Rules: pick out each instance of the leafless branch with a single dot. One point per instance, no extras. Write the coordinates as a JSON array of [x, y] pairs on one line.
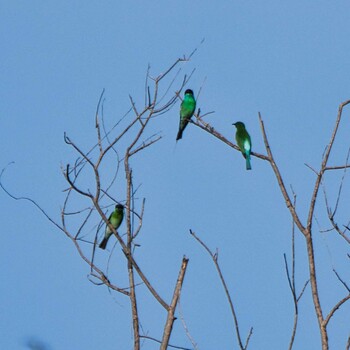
[[27, 199], [97, 122], [89, 164], [144, 145], [280, 180], [137, 231], [171, 311], [158, 341], [291, 280], [341, 281], [214, 257], [302, 290], [72, 183], [341, 183], [331, 213], [335, 308], [324, 165], [184, 325]]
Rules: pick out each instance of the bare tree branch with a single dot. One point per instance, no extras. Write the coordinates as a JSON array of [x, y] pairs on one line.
[[184, 325], [214, 257], [280, 180], [27, 199], [171, 311], [335, 308], [323, 165], [291, 281], [158, 341], [341, 281]]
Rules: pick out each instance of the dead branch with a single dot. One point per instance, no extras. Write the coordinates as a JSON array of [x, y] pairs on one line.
[[214, 257], [158, 341], [171, 311]]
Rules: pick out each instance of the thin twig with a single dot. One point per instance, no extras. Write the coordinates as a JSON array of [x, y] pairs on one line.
[[335, 308], [158, 341], [184, 325], [97, 123], [341, 281], [27, 199], [214, 257]]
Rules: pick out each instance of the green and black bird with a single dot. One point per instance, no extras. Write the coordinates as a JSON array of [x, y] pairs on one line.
[[244, 142], [115, 219], [187, 108]]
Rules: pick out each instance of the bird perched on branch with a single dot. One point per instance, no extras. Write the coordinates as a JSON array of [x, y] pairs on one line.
[[244, 142], [187, 108], [115, 219]]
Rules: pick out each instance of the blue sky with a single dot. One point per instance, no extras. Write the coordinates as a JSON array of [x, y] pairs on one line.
[[288, 60]]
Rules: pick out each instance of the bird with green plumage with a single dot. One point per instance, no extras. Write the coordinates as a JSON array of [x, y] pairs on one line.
[[244, 142], [116, 218], [187, 108]]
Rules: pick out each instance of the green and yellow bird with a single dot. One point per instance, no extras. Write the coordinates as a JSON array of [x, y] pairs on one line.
[[115, 219], [187, 108], [244, 142]]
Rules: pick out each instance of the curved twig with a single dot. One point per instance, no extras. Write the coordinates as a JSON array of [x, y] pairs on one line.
[[214, 257]]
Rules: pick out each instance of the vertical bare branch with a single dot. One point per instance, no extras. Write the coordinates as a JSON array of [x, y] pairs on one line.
[[307, 231], [133, 301], [280, 180], [97, 122], [324, 165], [291, 282], [171, 312], [194, 344]]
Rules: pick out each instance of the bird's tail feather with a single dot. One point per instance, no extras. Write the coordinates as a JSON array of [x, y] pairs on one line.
[[247, 161], [179, 135], [103, 244]]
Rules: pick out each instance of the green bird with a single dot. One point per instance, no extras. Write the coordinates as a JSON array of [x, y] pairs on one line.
[[115, 219], [244, 142], [187, 108]]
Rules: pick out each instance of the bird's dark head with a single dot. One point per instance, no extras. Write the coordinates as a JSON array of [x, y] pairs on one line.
[[119, 207], [239, 125], [189, 91]]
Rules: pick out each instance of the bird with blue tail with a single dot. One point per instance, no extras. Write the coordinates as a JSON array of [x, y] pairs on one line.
[[187, 108], [244, 142]]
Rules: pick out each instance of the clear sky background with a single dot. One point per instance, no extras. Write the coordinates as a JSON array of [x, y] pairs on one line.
[[288, 60]]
